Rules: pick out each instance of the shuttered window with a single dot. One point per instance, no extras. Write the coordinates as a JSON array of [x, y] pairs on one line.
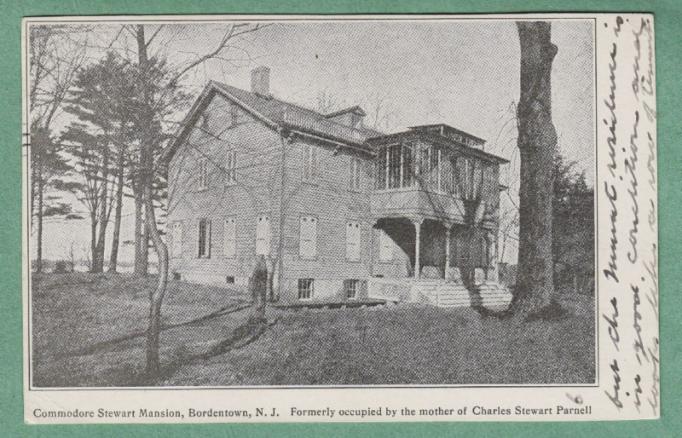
[[308, 237], [204, 238], [230, 237], [353, 241], [263, 235], [355, 170], [310, 162], [385, 246], [231, 167], [177, 239], [203, 173]]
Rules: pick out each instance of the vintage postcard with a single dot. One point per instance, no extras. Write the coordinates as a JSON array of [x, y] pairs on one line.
[[340, 218]]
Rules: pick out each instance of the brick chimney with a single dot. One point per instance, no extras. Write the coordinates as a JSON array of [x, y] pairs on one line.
[[260, 80]]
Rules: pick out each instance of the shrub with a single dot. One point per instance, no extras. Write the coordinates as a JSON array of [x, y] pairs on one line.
[[63, 267]]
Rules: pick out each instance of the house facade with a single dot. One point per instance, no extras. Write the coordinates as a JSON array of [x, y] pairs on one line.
[[341, 213]]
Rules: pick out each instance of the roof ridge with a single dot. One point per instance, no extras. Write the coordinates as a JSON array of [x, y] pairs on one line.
[[321, 117]]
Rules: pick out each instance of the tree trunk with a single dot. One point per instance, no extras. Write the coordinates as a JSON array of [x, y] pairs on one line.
[[93, 241], [39, 218], [141, 236], [98, 263], [156, 298], [147, 178], [113, 259], [537, 143]]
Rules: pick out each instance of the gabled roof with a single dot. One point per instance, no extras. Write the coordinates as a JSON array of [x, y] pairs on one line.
[[276, 113]]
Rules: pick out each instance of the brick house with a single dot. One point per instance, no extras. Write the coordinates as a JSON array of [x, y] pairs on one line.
[[342, 213]]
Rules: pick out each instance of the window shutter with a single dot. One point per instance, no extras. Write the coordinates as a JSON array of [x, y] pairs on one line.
[[352, 174], [263, 236], [231, 167], [385, 246], [177, 239], [314, 171], [353, 241], [355, 169], [208, 238], [203, 173], [308, 237], [230, 238], [309, 162], [358, 169]]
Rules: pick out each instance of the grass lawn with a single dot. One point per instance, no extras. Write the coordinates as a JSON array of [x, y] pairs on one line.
[[88, 331]]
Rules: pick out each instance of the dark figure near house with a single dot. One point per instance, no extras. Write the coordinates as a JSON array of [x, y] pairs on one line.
[[258, 288]]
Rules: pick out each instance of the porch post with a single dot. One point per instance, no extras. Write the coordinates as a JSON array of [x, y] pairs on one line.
[[447, 250], [491, 256], [417, 246]]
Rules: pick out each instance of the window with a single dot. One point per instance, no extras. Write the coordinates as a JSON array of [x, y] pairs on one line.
[[407, 175], [380, 171], [353, 241], [177, 239], [489, 182], [351, 288], [477, 179], [355, 171], [466, 176], [306, 288], [204, 238], [263, 235], [203, 173], [452, 176], [308, 237], [229, 237], [385, 247], [231, 167], [434, 162], [310, 163], [393, 158]]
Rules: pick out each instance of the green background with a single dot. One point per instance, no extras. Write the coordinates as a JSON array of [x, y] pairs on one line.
[[668, 25]]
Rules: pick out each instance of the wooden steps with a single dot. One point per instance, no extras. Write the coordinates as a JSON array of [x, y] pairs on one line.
[[493, 296], [439, 293], [442, 294]]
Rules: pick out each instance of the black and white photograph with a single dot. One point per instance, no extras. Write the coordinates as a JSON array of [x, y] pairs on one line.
[[311, 202]]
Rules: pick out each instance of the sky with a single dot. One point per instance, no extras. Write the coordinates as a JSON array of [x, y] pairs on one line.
[[463, 73]]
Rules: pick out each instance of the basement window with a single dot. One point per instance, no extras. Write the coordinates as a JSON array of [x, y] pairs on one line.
[[306, 288], [351, 288]]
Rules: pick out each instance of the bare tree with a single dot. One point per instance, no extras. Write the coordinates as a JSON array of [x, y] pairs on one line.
[[381, 112], [55, 55], [327, 102], [537, 142], [160, 95], [92, 188]]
